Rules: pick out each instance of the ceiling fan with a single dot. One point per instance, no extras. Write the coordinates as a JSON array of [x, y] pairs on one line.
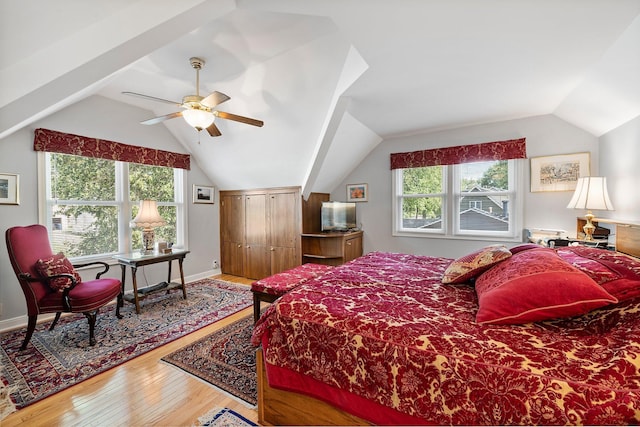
[[198, 111]]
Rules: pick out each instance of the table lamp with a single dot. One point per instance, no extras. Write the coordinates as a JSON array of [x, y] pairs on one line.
[[591, 193], [148, 218]]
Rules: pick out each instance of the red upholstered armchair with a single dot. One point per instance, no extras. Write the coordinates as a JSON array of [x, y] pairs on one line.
[[28, 247]]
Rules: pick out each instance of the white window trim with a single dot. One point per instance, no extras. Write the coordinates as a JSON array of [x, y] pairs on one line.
[[124, 205], [451, 208]]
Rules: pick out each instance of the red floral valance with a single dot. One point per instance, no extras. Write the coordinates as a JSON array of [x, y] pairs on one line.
[[67, 143], [498, 150]]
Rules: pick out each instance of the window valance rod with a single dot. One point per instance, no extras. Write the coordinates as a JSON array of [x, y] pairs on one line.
[[497, 150], [66, 143]]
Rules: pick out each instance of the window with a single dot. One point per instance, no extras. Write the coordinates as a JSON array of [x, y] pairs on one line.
[[88, 203], [469, 200]]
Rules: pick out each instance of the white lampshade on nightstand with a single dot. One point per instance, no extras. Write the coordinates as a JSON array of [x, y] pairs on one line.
[[148, 218], [591, 193]]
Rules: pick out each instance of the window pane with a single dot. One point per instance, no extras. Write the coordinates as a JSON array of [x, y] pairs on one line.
[[82, 178], [484, 203], [492, 216], [166, 233], [484, 176], [427, 180], [87, 207], [151, 183], [422, 212], [80, 230]]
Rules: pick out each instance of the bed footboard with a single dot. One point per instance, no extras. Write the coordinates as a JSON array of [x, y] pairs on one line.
[[280, 407]]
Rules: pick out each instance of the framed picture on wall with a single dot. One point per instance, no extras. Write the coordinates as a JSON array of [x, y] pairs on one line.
[[203, 194], [559, 173], [9, 189], [357, 193]]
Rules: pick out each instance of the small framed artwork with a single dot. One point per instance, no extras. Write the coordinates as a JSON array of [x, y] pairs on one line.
[[558, 173], [357, 193], [9, 189], [203, 194]]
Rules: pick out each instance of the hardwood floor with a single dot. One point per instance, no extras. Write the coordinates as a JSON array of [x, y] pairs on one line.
[[141, 392]]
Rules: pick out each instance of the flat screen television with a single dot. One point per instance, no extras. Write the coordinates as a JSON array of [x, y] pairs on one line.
[[338, 216]]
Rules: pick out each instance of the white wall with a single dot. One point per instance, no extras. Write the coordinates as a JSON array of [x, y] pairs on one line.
[[620, 163], [99, 117], [546, 135]]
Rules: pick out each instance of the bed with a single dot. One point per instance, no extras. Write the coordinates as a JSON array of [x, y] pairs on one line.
[[524, 335]]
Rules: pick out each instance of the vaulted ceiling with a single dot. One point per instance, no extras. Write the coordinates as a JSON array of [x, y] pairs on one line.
[[330, 78]]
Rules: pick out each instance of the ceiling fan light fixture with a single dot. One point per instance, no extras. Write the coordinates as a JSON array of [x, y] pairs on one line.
[[199, 119], [199, 111]]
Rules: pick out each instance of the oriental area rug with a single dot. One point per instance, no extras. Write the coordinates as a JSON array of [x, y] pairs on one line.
[[225, 359], [55, 360], [224, 418]]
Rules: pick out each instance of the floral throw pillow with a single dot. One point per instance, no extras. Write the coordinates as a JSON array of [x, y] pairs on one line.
[[472, 265], [536, 285], [54, 265]]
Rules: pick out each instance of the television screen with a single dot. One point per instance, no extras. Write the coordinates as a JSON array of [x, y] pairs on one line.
[[338, 216]]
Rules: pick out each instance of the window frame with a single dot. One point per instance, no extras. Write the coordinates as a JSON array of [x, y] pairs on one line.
[[451, 207], [122, 203]]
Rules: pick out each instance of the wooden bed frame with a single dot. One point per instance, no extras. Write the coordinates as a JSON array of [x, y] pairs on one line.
[[279, 407]]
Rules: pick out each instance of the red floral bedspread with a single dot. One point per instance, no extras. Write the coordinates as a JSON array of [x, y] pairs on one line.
[[384, 339]]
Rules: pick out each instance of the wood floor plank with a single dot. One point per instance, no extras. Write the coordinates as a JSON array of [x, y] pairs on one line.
[[141, 392]]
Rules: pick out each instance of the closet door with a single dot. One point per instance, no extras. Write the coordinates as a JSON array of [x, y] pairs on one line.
[[256, 237], [284, 230], [232, 234]]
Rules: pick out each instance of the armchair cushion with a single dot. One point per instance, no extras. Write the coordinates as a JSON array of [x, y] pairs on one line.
[[54, 265]]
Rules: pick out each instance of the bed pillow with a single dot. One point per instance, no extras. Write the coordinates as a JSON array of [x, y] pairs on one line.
[[617, 273], [524, 247], [54, 265], [536, 285], [472, 265]]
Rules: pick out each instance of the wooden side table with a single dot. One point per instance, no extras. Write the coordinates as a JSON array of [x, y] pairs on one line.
[[137, 259]]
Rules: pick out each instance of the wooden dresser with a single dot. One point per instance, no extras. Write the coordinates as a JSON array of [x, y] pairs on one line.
[[331, 248]]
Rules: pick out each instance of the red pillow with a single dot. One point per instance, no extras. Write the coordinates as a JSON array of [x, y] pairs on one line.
[[54, 265], [617, 273], [536, 285], [524, 247], [472, 265]]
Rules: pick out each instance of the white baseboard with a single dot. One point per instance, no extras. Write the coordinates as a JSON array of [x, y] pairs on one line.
[[21, 321]]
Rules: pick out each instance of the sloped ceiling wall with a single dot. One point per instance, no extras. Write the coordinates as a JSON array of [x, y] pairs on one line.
[[330, 78]]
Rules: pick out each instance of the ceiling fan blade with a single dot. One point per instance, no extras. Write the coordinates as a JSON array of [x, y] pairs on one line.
[[159, 119], [237, 118], [216, 98], [151, 98], [213, 130]]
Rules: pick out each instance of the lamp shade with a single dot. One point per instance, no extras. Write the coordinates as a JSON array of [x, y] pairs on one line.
[[199, 119], [148, 215], [591, 193]]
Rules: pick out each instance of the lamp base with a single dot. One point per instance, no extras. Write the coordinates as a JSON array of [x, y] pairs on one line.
[[589, 228], [148, 238]]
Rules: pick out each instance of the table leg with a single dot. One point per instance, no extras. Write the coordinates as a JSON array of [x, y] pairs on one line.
[[169, 274], [135, 288], [124, 274], [184, 288]]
